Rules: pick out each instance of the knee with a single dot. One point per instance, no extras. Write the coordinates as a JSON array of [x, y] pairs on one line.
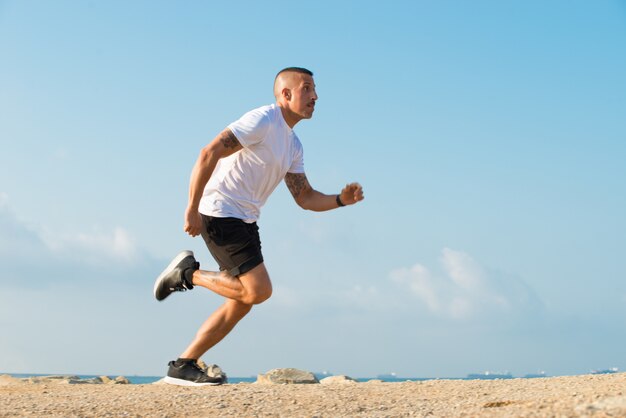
[[257, 296], [257, 285]]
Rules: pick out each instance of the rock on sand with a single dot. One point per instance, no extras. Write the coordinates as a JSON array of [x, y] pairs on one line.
[[286, 376]]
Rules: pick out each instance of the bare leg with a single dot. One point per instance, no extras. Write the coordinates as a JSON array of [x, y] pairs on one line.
[[241, 292], [250, 288], [216, 327]]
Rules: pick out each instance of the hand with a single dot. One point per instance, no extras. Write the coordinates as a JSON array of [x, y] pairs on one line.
[[351, 194], [193, 222]]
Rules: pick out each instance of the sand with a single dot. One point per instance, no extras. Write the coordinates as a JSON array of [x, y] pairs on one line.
[[587, 395]]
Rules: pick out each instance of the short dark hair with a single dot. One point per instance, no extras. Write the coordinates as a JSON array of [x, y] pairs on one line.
[[295, 70]]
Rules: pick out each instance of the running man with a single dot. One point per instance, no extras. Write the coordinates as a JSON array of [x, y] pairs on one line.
[[232, 178]]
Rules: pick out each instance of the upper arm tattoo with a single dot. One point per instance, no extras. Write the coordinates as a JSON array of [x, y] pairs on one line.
[[229, 140], [296, 183]]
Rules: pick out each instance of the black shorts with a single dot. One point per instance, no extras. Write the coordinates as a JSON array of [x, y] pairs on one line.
[[233, 243]]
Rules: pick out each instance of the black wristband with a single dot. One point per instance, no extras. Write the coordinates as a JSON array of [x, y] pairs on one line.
[[339, 202]]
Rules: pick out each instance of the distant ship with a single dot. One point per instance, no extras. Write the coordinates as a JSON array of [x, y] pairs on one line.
[[606, 371], [490, 375], [388, 376]]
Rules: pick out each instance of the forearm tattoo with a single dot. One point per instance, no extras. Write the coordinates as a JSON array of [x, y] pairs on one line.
[[229, 140], [296, 183]]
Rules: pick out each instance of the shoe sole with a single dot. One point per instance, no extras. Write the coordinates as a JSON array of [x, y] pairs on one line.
[[180, 257], [180, 382]]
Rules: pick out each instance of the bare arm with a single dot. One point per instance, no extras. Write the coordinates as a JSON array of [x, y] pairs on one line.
[[222, 146], [311, 199]]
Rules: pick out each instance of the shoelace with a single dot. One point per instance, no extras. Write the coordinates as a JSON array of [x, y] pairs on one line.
[[179, 288], [197, 367]]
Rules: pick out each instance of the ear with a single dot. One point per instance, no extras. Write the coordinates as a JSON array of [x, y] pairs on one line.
[[287, 94]]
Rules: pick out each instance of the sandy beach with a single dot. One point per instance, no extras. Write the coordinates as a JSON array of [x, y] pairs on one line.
[[572, 396]]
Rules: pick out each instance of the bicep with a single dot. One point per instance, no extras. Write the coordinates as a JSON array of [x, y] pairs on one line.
[[298, 185], [224, 144]]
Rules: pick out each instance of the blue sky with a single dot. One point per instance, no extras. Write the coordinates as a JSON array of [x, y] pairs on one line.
[[489, 138]]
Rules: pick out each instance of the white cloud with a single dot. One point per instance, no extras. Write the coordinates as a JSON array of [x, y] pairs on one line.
[[419, 281], [96, 246], [466, 289], [19, 240]]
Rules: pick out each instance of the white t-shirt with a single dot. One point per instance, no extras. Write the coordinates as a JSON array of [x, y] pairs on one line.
[[242, 182]]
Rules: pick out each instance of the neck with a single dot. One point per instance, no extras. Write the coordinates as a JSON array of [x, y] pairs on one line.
[[290, 118]]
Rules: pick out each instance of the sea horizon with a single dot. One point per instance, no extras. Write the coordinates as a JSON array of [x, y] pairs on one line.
[[139, 379], [142, 380], [391, 377]]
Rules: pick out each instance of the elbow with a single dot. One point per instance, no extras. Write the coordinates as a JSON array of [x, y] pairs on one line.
[[303, 204], [305, 199]]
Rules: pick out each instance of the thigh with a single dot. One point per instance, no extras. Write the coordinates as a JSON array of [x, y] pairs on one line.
[[257, 279]]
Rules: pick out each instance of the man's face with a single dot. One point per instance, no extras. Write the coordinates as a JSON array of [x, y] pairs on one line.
[[303, 96]]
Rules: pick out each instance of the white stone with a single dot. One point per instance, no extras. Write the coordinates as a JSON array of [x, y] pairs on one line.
[[287, 376]]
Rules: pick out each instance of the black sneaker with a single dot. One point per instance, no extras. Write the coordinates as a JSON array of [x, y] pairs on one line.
[[188, 373], [173, 277]]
